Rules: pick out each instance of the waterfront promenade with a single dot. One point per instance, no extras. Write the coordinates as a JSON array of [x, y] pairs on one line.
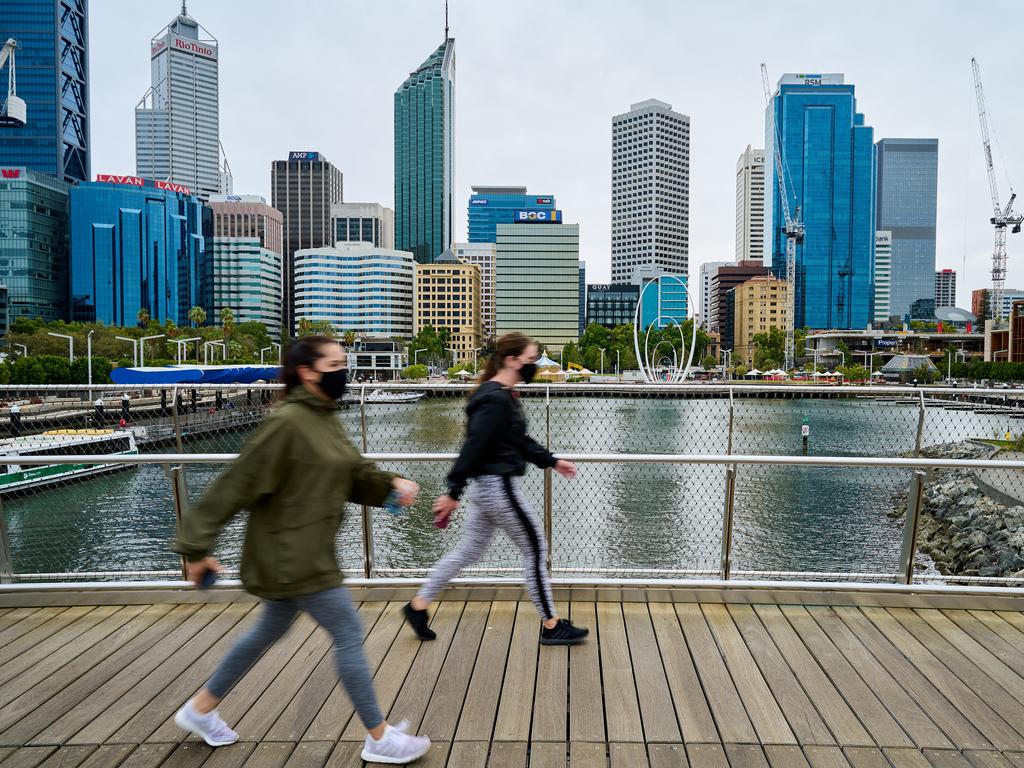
[[660, 684]]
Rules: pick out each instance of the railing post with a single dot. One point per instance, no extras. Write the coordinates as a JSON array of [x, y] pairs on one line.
[[731, 409], [730, 488], [548, 516], [920, 426], [911, 523], [180, 499], [6, 563], [368, 565]]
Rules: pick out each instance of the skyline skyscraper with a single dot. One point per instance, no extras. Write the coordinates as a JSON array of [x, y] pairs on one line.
[[363, 223], [484, 255], [907, 182], [945, 288], [177, 122], [650, 191], [53, 79], [708, 270], [303, 188], [883, 276], [829, 154], [750, 205], [425, 156], [490, 206]]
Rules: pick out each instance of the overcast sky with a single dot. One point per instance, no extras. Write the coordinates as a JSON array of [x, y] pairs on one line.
[[537, 84]]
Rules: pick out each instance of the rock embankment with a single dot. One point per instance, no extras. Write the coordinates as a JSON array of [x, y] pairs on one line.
[[965, 532]]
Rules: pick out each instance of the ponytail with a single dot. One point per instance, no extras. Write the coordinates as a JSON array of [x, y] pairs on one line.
[[510, 345]]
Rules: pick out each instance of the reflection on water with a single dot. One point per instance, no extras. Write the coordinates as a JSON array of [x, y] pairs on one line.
[[621, 516]]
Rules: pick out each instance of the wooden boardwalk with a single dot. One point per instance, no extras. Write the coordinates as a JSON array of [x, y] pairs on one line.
[[659, 685]]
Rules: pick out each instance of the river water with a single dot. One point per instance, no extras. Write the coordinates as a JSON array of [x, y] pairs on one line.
[[615, 519]]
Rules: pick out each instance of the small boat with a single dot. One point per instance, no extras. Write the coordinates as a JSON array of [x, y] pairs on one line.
[[61, 442], [380, 396]]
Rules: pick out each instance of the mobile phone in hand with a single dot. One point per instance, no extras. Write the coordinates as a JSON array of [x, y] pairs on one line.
[[209, 579]]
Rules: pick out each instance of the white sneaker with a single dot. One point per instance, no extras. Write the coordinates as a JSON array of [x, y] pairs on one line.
[[395, 747], [209, 727]]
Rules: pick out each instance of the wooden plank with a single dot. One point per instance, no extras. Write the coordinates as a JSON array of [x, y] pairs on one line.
[[117, 712], [52, 662], [14, 615], [550, 699], [995, 624], [149, 755], [347, 755], [23, 717], [745, 756], [270, 754], [586, 696], [508, 754], [310, 754], [864, 685], [942, 758], [516, 703], [27, 757], [866, 757], [785, 756], [948, 717], [621, 708], [695, 720], [707, 756], [588, 753], [667, 756], [385, 640], [301, 708], [1016, 758], [481, 703], [468, 754], [41, 634], [862, 679], [548, 754], [905, 758], [191, 754], [985, 648], [30, 621], [725, 703], [628, 755], [967, 701], [987, 760], [436, 757], [68, 757], [109, 756], [657, 712], [771, 652], [826, 757], [442, 714], [109, 681]]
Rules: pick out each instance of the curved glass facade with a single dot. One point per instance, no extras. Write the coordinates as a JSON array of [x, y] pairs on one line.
[[138, 248]]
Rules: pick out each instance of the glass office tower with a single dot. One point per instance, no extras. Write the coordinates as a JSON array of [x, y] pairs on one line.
[[830, 159], [425, 156], [53, 79], [491, 206]]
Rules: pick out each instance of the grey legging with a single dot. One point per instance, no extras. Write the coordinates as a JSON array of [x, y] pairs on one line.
[[333, 610]]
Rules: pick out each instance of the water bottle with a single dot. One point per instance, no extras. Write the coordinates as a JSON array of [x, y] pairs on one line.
[[391, 504]]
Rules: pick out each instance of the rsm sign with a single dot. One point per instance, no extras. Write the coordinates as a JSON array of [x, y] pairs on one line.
[[537, 217]]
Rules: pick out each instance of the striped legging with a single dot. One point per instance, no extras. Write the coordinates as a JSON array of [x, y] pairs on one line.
[[496, 501]]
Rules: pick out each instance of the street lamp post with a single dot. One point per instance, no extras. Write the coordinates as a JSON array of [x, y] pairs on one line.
[[618, 360], [206, 350], [275, 344], [182, 355], [416, 355], [265, 349], [141, 347], [71, 344], [870, 357], [474, 357], [88, 353], [24, 349], [135, 347], [602, 361]]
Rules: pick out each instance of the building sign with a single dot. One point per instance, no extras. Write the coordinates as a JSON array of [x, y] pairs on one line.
[[883, 238], [544, 201], [183, 44], [599, 287], [887, 342], [313, 156], [156, 47], [10, 173], [138, 181], [537, 217], [478, 201]]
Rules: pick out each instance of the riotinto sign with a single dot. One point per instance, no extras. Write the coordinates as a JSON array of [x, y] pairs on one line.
[[537, 217]]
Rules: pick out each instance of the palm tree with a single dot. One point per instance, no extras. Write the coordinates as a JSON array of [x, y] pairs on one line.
[[142, 316], [197, 316], [349, 338], [227, 319]]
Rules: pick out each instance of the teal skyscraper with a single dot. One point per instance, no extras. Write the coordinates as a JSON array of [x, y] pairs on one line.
[[425, 156]]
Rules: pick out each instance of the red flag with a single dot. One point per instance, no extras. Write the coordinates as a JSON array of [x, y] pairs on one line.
[[940, 326]]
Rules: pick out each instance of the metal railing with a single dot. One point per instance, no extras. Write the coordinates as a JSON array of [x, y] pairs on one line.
[[702, 460]]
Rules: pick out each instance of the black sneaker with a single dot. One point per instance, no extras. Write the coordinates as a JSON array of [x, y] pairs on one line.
[[563, 633], [418, 620]]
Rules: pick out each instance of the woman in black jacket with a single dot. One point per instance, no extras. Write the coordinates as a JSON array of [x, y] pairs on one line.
[[494, 456]]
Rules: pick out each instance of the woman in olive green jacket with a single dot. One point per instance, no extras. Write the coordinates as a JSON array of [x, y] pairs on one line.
[[295, 475]]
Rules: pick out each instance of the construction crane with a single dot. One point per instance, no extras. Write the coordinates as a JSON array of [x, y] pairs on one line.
[[793, 226], [12, 112], [1003, 216]]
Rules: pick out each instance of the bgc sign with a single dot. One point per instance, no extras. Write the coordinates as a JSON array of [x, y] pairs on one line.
[[537, 217]]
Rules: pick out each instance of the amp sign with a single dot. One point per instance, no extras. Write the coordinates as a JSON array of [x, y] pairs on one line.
[[304, 156], [537, 217]]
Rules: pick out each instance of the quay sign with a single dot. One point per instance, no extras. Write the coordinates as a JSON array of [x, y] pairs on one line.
[[138, 181], [537, 217], [314, 156]]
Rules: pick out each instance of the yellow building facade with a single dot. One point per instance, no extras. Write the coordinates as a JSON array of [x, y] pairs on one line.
[[759, 306], [447, 295]]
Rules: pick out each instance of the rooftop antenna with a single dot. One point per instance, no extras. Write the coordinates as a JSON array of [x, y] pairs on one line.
[[445, 19], [184, 10]]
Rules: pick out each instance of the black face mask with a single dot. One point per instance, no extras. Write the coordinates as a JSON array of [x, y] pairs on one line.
[[527, 372], [333, 383]]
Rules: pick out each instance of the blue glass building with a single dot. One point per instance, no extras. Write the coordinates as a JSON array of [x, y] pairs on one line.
[[830, 159], [138, 247], [425, 156], [663, 302], [53, 79], [491, 206], [907, 179]]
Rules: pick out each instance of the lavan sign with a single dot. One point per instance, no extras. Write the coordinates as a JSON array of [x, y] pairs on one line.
[[537, 217], [138, 181]]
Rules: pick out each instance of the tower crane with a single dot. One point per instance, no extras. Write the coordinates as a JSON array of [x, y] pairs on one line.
[[12, 112], [1003, 216], [793, 226]]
